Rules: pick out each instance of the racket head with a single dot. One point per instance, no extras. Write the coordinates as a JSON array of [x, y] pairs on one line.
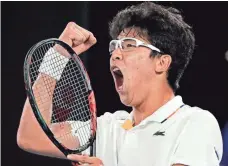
[[75, 83]]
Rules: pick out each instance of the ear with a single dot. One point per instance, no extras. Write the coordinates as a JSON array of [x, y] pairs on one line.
[[163, 63]]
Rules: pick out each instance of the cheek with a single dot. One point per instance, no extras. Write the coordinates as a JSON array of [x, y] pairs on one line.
[[135, 61], [138, 69], [145, 66]]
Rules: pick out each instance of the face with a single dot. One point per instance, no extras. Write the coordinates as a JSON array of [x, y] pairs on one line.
[[133, 71]]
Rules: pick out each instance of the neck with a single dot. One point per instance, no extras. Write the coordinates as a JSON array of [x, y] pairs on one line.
[[152, 102]]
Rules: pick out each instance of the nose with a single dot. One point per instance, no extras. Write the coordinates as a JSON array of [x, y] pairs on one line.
[[117, 55]]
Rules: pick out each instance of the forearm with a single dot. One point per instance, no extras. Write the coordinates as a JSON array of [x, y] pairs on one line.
[[43, 89], [29, 129], [30, 136]]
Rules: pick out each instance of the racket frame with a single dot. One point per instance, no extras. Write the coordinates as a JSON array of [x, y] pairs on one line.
[[34, 106]]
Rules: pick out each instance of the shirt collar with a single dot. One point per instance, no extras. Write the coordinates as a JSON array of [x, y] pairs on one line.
[[166, 110], [162, 113]]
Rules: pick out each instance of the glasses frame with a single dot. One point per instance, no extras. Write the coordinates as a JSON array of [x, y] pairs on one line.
[[138, 43]]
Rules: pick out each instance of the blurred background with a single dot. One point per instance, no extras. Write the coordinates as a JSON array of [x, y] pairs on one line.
[[204, 84]]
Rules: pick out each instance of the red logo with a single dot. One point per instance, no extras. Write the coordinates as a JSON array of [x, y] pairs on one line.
[[93, 110]]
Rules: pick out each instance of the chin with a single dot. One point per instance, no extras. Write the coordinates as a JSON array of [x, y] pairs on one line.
[[126, 101]]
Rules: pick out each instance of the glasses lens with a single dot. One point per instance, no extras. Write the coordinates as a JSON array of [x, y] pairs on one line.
[[128, 44], [112, 46]]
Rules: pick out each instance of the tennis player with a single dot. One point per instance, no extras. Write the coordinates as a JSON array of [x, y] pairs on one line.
[[150, 50]]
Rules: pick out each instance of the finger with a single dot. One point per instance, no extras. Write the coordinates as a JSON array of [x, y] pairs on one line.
[[81, 38], [71, 33], [75, 34], [92, 40], [91, 165], [80, 158], [84, 159], [74, 163], [85, 46], [82, 33], [85, 37]]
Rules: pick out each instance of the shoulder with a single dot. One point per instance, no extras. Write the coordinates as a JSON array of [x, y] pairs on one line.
[[201, 117], [202, 127], [195, 121], [116, 116], [198, 119], [200, 140]]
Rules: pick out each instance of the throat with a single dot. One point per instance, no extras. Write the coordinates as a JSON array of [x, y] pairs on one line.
[[150, 105]]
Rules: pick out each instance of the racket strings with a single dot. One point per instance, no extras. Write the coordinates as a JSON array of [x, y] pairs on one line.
[[70, 132], [69, 99], [81, 98], [75, 92]]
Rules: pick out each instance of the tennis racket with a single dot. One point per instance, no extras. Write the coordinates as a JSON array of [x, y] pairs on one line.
[[61, 95]]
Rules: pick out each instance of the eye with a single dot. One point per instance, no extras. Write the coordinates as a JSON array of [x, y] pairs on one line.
[[130, 45]]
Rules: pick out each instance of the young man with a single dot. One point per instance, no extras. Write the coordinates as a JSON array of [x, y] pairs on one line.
[[150, 50]]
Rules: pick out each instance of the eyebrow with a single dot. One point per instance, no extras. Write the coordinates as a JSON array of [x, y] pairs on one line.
[[135, 34], [143, 40]]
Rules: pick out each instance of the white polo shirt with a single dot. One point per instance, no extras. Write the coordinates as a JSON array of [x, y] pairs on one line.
[[191, 136]]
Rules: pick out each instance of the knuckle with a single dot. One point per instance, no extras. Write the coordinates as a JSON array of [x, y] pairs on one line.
[[84, 38], [81, 39], [90, 34], [83, 158], [71, 24], [98, 161], [71, 36], [94, 40]]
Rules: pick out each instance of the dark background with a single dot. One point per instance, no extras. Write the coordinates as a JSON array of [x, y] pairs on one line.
[[24, 23]]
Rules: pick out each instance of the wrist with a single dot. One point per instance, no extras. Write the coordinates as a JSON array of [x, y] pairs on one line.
[[53, 64]]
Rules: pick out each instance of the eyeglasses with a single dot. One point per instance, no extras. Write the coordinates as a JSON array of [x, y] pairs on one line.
[[129, 44]]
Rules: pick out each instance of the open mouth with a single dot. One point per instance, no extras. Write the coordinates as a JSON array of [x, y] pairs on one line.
[[118, 78]]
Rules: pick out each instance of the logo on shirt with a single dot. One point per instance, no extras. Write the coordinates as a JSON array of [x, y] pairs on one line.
[[160, 133]]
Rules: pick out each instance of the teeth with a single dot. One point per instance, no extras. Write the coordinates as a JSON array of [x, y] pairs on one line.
[[115, 69]]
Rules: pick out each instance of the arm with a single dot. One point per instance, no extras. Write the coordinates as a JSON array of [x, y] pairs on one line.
[[27, 139], [30, 136]]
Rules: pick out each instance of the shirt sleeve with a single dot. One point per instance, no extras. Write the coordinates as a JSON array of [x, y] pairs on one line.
[[104, 131], [81, 133], [200, 143]]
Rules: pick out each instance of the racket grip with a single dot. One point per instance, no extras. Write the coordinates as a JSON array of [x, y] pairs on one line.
[[53, 64]]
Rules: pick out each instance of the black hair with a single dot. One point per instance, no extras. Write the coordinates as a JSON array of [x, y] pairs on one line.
[[165, 29]]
